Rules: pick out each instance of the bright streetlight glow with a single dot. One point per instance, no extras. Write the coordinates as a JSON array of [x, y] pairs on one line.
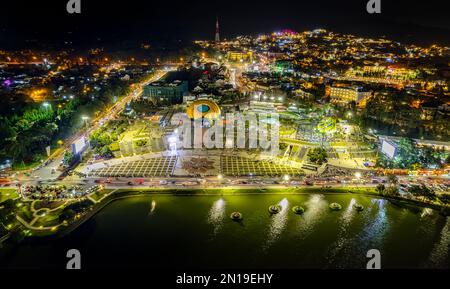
[[286, 178], [358, 175]]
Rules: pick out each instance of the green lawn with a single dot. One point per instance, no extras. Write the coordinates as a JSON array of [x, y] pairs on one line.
[[49, 205], [50, 219], [99, 194], [6, 194], [25, 212], [22, 166]]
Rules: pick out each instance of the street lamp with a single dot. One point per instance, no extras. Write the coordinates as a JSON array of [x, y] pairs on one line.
[[286, 178]]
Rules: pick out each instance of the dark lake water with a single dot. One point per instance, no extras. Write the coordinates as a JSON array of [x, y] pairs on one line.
[[196, 232]]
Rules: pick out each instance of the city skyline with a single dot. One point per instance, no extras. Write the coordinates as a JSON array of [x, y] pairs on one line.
[[196, 137], [116, 23]]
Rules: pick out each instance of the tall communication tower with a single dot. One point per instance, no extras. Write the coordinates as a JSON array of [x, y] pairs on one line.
[[217, 38]]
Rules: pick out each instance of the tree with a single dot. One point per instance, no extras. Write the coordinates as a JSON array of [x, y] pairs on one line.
[[380, 189], [444, 198], [67, 214], [407, 153], [392, 191], [428, 194], [7, 210], [392, 179], [68, 158], [106, 152], [422, 191], [141, 142], [317, 155], [415, 190]]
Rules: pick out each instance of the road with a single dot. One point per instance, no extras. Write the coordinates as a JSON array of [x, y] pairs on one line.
[[44, 172]]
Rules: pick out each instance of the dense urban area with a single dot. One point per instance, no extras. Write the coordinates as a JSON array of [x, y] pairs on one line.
[[355, 115]]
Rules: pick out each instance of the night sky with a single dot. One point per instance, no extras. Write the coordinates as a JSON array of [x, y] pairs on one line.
[[105, 21]]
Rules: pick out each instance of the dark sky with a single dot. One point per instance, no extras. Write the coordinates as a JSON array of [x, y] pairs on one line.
[[144, 20]]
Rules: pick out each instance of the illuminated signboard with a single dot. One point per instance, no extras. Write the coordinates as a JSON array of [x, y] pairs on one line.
[[388, 149], [79, 145]]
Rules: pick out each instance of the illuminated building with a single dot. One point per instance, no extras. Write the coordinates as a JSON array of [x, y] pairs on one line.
[[166, 93], [203, 108], [434, 110], [401, 73], [281, 66], [240, 56], [303, 94], [345, 95], [374, 69]]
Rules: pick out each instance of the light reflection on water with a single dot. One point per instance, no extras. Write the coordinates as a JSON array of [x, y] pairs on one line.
[[377, 224], [316, 207], [405, 237], [342, 239], [278, 223], [440, 251], [348, 214], [216, 215], [152, 207], [426, 212]]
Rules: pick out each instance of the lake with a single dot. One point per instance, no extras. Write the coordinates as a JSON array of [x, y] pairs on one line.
[[167, 231]]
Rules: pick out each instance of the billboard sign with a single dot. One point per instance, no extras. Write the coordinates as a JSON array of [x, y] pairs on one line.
[[388, 149], [79, 145]]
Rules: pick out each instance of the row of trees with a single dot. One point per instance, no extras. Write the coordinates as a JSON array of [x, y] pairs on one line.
[[420, 191], [24, 136], [102, 138], [391, 190]]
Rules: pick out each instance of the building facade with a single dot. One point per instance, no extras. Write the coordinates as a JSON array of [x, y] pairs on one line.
[[166, 93], [345, 95], [238, 56]]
